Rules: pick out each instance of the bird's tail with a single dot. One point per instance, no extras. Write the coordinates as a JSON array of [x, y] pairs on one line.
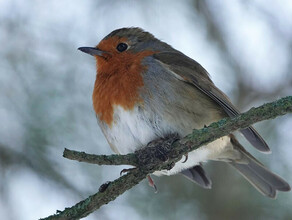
[[260, 177]]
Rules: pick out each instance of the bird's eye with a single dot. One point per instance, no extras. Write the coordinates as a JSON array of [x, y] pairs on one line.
[[122, 47]]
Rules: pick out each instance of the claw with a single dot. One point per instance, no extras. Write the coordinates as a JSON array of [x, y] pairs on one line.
[[152, 184], [186, 158], [126, 170]]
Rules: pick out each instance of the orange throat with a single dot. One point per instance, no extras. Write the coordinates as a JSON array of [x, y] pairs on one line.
[[118, 81]]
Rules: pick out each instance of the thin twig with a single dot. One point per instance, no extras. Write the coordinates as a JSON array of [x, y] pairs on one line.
[[129, 159]]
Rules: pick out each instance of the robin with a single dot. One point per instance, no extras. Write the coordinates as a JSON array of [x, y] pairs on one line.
[[145, 90]]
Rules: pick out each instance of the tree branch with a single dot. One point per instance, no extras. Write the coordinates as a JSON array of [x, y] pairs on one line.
[[115, 159], [162, 154]]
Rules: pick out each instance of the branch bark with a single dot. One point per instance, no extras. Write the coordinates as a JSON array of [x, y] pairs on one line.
[[162, 154], [114, 159]]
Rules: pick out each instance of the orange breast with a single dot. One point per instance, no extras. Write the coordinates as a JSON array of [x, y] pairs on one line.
[[118, 80]]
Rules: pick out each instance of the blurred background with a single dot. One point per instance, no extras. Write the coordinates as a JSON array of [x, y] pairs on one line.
[[45, 103]]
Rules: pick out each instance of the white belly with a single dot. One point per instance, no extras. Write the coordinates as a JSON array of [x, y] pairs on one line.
[[212, 151], [131, 130]]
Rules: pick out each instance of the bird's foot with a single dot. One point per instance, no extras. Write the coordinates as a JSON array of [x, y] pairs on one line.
[[186, 158], [127, 170]]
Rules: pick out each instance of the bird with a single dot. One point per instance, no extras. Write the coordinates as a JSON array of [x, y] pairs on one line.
[[146, 90]]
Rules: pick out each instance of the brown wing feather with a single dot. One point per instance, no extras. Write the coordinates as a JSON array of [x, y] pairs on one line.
[[192, 72]]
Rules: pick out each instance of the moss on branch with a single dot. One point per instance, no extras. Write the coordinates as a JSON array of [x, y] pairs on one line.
[[115, 159]]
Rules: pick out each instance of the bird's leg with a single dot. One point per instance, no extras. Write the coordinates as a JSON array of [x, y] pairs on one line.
[[151, 183], [162, 146], [150, 180]]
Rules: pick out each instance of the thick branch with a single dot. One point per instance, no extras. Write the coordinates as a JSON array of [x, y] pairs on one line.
[[150, 158]]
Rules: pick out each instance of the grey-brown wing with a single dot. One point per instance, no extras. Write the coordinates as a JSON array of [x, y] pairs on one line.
[[192, 72]]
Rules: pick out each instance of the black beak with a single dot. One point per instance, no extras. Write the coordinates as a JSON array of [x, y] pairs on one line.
[[93, 51]]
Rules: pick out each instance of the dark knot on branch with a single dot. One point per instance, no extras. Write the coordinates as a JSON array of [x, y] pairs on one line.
[[157, 151]]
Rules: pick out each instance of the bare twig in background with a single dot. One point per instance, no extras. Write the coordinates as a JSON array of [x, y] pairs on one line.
[[150, 158]]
